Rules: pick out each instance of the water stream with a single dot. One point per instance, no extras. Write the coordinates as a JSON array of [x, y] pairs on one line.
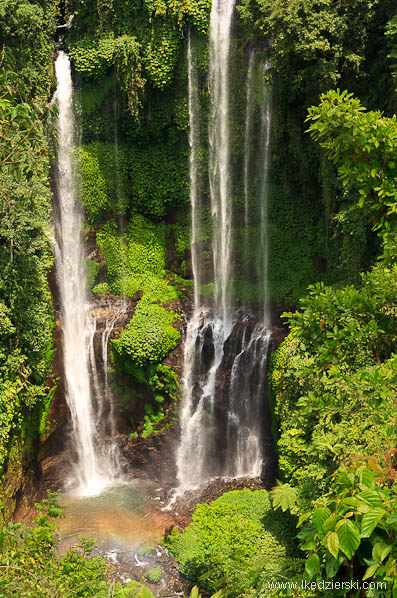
[[96, 467], [223, 412]]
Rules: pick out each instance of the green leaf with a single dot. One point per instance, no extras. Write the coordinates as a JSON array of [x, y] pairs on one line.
[[332, 565], [370, 571], [333, 544], [371, 497], [380, 551], [303, 518], [283, 496], [311, 545], [320, 515], [312, 566], [195, 592], [370, 520], [349, 537], [329, 524]]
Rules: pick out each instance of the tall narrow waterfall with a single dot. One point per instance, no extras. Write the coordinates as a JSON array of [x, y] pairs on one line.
[[92, 468], [225, 424], [219, 175]]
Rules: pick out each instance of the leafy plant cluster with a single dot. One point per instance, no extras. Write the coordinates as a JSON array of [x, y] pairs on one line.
[[363, 146], [353, 533], [26, 41], [334, 379], [26, 321], [148, 338], [135, 260], [115, 179], [32, 566], [317, 45], [237, 542], [143, 44]]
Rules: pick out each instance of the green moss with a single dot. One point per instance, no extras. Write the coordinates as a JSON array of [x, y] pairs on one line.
[[103, 180]]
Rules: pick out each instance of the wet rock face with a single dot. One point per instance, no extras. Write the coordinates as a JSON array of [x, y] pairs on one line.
[[153, 457], [239, 423]]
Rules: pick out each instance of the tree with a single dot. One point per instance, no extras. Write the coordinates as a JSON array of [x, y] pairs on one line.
[[363, 146]]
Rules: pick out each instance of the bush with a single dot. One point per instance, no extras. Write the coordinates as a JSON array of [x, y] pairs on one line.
[[236, 542], [148, 337], [334, 380], [135, 259], [154, 575], [353, 532]]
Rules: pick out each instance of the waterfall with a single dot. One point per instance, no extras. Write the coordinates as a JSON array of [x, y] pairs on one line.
[[219, 175], [93, 470], [247, 137], [225, 422], [265, 136], [191, 448]]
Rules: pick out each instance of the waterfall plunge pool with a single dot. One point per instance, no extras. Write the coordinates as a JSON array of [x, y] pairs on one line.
[[126, 516], [127, 523]]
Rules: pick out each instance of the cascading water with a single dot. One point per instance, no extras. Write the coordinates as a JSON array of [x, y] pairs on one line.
[[219, 175], [266, 121], [225, 423], [94, 470]]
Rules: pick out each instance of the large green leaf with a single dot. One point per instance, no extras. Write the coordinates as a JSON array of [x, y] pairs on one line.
[[349, 537], [283, 496], [371, 497], [312, 566], [319, 516], [370, 520], [329, 524], [333, 544]]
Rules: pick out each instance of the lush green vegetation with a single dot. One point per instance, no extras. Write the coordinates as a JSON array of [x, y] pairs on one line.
[[334, 378], [31, 566], [26, 31], [332, 212], [238, 543]]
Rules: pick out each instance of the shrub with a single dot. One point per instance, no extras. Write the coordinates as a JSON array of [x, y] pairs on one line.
[[154, 575], [235, 542], [148, 337], [353, 532]]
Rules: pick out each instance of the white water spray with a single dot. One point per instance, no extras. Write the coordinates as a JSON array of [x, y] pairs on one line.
[[266, 122], [219, 154], [92, 469]]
